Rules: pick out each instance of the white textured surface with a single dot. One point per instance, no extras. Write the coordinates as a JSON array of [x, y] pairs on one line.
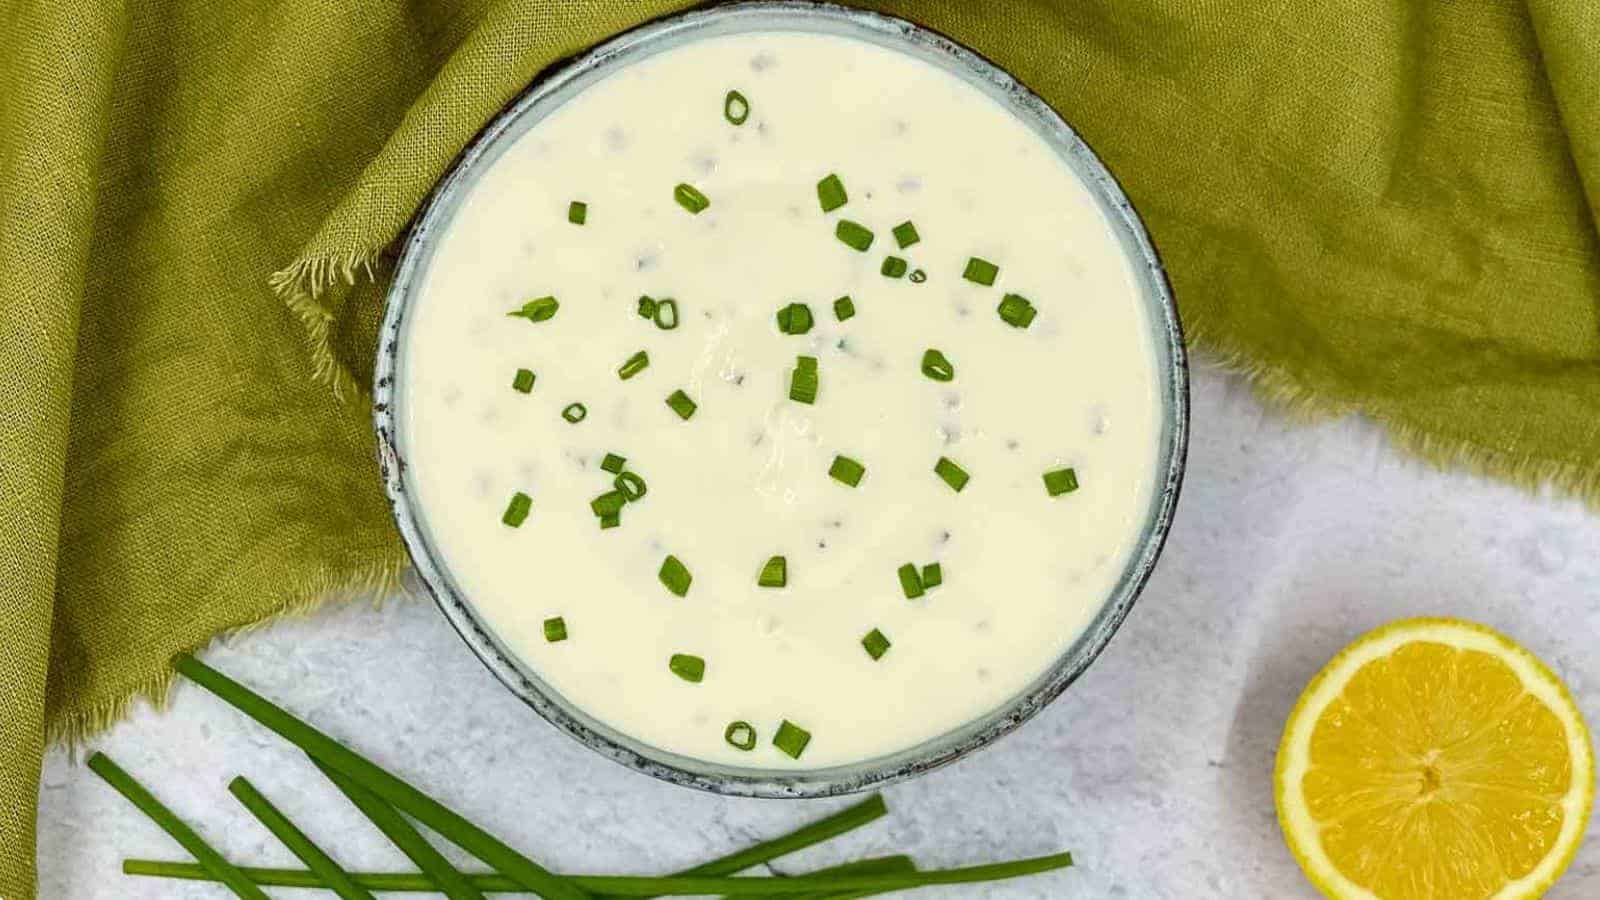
[[1154, 769]]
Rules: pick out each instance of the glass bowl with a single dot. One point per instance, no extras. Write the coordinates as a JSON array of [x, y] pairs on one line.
[[555, 87]]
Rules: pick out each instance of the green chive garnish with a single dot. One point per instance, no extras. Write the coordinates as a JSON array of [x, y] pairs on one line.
[[844, 308], [613, 463], [953, 475], [523, 382], [675, 576], [517, 510], [795, 319], [631, 486], [609, 504], [634, 365], [538, 310], [905, 234], [298, 843], [577, 213], [1017, 311], [893, 267], [666, 314], [910, 581], [846, 470], [647, 306], [735, 108], [937, 366], [610, 521], [875, 644], [1060, 481], [918, 276], [682, 405], [691, 199], [210, 859], [831, 193], [688, 667], [932, 576], [575, 412], [804, 381], [791, 739], [853, 234], [775, 574], [981, 271], [555, 629], [740, 736]]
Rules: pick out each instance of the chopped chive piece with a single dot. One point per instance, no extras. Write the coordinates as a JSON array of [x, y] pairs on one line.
[[688, 667], [555, 630], [775, 573], [846, 470], [522, 383], [631, 486], [853, 234], [740, 736], [538, 310], [1017, 311], [1060, 481], [647, 306], [893, 267], [613, 463], [918, 276], [831, 193], [981, 271], [953, 475], [804, 381], [575, 412], [610, 521], [905, 234], [609, 504], [517, 509], [791, 739], [844, 308], [577, 213], [875, 644], [666, 314], [735, 108], [932, 576], [691, 199], [634, 365], [910, 581], [937, 366], [681, 404], [795, 319], [675, 576]]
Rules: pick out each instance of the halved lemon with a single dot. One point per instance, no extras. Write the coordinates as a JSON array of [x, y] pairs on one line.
[[1434, 759]]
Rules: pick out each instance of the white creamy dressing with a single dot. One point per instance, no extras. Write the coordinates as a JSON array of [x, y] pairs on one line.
[[747, 476]]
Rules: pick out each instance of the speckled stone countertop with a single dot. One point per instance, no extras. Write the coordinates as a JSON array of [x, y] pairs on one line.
[[1154, 769]]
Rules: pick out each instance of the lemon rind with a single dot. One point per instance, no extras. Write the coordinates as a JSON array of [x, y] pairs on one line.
[[1299, 829]]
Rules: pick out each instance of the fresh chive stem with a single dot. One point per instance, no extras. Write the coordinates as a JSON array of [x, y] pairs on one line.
[[405, 837], [210, 861], [669, 886], [304, 849], [842, 822], [878, 865], [449, 825]]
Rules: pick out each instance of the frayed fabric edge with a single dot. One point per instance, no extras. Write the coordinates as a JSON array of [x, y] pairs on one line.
[[301, 286]]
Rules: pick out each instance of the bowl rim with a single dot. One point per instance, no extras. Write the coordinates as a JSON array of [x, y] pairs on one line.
[[573, 75]]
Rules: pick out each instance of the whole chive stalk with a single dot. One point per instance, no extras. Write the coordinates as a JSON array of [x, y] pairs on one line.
[[690, 198], [210, 861], [540, 310], [825, 829], [430, 812], [304, 849], [879, 877], [406, 837]]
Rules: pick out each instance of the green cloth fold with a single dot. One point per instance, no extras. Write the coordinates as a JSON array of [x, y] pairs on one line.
[[1368, 206]]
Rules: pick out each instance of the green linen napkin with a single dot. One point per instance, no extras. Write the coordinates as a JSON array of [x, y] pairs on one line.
[[1366, 206]]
